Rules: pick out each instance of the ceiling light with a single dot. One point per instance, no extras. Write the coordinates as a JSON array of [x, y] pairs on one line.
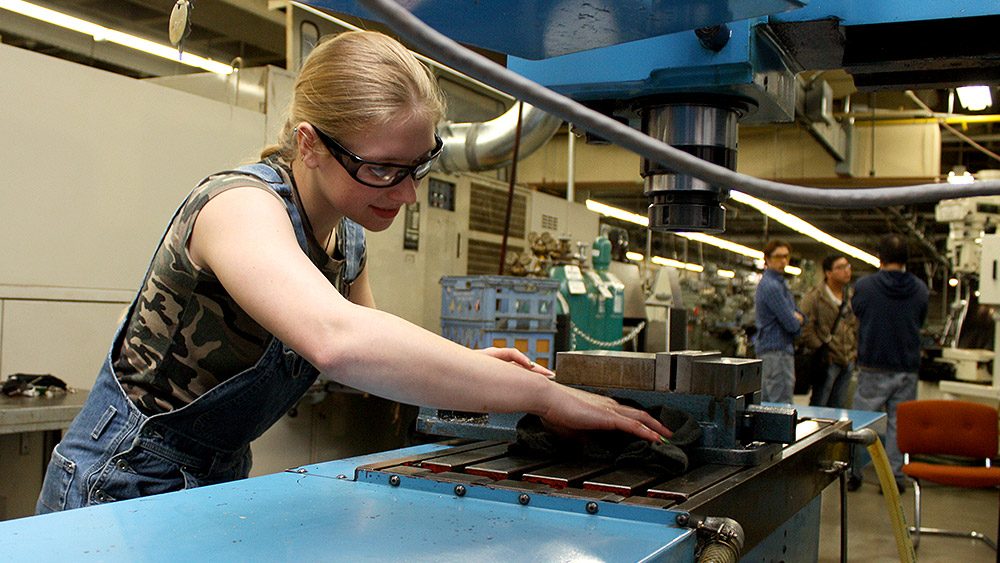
[[952, 282], [634, 256], [661, 261], [609, 211], [101, 33], [975, 98], [728, 274], [799, 225]]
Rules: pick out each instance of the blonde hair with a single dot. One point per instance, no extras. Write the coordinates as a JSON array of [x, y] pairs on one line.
[[355, 81]]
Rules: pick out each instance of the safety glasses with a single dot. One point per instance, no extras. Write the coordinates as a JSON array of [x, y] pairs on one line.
[[379, 174]]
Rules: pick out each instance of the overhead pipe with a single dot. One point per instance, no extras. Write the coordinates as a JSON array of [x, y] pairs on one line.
[[489, 145]]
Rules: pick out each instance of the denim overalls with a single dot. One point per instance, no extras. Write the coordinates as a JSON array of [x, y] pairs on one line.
[[113, 451]]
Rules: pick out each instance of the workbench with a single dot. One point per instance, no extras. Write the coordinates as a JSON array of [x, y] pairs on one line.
[[39, 414], [29, 428], [331, 511]]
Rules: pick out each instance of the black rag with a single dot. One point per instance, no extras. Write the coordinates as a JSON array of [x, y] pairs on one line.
[[619, 448]]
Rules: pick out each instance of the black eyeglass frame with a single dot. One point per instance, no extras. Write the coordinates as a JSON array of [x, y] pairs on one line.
[[352, 163]]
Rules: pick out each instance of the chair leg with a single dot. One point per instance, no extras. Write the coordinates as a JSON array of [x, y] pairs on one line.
[[917, 529], [972, 535]]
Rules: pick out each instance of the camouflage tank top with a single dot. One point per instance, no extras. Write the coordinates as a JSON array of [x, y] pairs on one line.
[[186, 334]]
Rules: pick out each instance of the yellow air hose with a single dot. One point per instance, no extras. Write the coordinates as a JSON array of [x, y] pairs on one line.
[[885, 478]]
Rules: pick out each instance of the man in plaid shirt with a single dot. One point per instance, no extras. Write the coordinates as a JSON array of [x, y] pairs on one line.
[[779, 321]]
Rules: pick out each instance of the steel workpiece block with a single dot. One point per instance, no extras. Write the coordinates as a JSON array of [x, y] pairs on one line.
[[724, 377], [607, 368], [681, 366]]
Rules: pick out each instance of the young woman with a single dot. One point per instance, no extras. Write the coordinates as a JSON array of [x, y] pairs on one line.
[[259, 286]]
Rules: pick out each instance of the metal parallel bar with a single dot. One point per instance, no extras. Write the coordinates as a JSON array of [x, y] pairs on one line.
[[625, 482], [680, 488], [506, 467], [563, 475], [454, 477], [415, 459], [408, 470], [572, 492], [650, 502], [522, 486], [458, 461]]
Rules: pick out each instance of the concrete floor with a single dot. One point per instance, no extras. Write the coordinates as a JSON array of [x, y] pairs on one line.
[[870, 534]]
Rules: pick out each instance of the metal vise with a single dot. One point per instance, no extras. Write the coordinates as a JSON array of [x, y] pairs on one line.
[[722, 394]]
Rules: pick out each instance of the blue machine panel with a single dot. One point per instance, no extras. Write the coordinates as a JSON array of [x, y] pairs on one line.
[[865, 12], [316, 516], [536, 29]]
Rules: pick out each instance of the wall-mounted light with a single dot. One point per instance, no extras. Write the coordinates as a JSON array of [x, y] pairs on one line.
[[975, 98], [101, 33]]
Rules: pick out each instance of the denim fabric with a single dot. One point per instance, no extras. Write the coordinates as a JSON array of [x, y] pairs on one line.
[[112, 451], [882, 391], [832, 391], [777, 372], [774, 309]]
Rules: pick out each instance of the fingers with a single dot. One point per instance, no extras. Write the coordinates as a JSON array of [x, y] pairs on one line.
[[648, 422], [542, 370], [517, 357]]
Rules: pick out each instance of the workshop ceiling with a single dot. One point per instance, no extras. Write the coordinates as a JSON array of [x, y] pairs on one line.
[[253, 32]]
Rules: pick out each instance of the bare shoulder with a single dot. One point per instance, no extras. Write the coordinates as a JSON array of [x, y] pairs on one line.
[[247, 216]]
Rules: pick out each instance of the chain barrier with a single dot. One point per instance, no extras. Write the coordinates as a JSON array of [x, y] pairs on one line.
[[591, 340]]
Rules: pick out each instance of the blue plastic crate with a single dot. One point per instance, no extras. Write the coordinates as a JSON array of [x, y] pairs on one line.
[[504, 302], [539, 346]]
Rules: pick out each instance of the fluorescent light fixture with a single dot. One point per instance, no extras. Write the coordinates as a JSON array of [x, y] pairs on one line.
[[723, 244], [101, 33], [728, 274], [799, 225], [952, 282], [963, 178], [975, 98], [634, 256], [661, 261], [609, 211]]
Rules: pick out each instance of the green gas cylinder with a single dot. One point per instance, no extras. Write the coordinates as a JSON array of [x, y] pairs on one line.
[[594, 299]]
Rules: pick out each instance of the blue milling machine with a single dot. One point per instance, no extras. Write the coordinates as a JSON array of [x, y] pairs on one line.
[[685, 72]]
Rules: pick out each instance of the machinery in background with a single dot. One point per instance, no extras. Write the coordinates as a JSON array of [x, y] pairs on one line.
[[594, 300], [970, 330], [723, 315], [979, 370]]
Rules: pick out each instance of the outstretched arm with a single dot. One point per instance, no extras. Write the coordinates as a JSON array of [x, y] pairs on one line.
[[245, 238]]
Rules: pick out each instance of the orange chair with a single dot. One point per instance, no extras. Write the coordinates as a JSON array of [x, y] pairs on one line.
[[956, 428]]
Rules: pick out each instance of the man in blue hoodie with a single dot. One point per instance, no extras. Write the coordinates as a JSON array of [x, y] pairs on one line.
[[891, 306]]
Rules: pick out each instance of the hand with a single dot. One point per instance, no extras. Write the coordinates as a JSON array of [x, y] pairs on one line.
[[799, 317], [514, 356], [573, 409]]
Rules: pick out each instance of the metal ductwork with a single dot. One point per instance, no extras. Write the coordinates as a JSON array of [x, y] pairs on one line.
[[488, 145]]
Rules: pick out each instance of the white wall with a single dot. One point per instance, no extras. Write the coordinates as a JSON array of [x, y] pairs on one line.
[[93, 164]]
